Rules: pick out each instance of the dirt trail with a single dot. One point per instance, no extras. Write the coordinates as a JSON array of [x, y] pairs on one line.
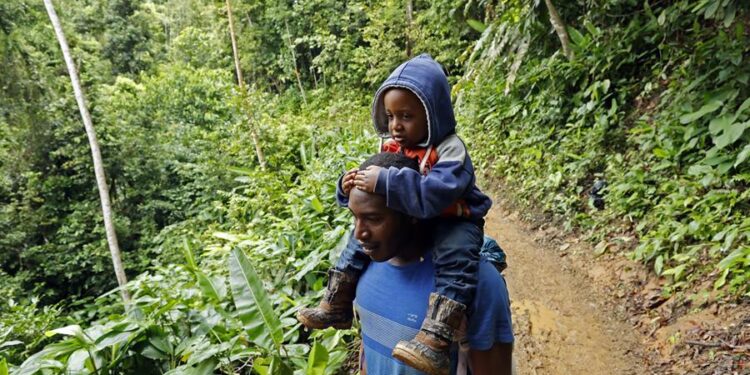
[[563, 323]]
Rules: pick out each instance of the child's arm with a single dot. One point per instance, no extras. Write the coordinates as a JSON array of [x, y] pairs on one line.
[[427, 196]]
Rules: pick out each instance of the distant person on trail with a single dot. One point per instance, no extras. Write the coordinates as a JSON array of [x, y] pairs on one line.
[[413, 106], [392, 293]]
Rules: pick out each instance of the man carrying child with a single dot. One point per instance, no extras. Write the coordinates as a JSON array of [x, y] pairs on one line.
[[413, 106]]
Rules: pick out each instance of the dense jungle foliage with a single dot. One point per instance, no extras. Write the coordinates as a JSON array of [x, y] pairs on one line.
[[221, 253]]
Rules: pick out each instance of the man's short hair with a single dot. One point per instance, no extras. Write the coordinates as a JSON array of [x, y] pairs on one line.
[[390, 159]]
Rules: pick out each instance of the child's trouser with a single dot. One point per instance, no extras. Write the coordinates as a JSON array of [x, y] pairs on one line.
[[455, 255]]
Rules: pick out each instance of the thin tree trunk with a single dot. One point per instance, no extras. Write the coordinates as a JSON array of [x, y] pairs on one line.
[[243, 92], [294, 62], [559, 25], [409, 16], [114, 247]]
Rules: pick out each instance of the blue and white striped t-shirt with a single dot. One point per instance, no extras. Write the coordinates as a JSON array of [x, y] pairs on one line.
[[392, 302]]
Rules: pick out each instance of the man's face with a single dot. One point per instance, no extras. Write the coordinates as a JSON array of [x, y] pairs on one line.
[[407, 118], [381, 231]]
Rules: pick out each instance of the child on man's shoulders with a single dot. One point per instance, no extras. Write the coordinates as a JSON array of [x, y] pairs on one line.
[[413, 106]]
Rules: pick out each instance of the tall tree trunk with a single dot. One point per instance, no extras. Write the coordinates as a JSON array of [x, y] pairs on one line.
[[559, 25], [409, 16], [294, 63], [243, 92], [101, 181]]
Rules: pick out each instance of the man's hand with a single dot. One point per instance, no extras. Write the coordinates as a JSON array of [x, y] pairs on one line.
[[347, 183], [365, 180]]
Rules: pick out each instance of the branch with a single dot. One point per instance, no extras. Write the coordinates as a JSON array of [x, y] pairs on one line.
[[559, 25]]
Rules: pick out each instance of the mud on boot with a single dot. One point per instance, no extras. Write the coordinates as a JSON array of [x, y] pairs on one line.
[[335, 310], [429, 351]]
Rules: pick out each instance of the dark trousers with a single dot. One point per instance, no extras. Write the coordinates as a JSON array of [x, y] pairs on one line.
[[455, 254]]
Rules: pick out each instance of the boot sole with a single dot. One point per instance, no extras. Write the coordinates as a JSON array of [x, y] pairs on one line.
[[416, 362], [319, 325]]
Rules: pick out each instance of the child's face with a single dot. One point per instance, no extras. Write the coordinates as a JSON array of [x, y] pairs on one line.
[[407, 118]]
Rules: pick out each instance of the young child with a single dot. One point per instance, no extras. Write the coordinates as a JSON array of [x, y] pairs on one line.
[[414, 107]]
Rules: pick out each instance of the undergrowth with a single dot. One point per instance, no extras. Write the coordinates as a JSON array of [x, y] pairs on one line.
[[656, 103]]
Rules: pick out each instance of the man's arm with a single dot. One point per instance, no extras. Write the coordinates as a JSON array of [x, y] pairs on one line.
[[496, 361]]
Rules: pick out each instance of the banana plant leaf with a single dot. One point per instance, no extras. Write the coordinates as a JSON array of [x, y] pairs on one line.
[[253, 305]]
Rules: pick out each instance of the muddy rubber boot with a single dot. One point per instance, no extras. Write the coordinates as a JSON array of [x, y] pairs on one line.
[[429, 351], [335, 310]]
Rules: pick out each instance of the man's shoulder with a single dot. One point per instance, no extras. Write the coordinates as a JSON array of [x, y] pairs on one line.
[[491, 321], [489, 279]]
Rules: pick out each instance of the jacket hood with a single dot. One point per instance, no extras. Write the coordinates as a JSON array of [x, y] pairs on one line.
[[425, 78]]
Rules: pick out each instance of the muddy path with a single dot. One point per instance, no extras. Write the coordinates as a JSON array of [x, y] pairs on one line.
[[564, 323]]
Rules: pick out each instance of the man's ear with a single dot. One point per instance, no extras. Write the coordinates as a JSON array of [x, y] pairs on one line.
[[413, 219]]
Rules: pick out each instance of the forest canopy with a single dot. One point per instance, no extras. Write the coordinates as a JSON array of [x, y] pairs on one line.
[[649, 100]]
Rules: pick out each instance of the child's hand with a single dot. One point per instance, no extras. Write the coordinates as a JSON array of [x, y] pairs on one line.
[[347, 183], [366, 179]]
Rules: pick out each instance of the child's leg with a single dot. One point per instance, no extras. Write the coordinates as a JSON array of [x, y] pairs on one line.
[[456, 258], [336, 310]]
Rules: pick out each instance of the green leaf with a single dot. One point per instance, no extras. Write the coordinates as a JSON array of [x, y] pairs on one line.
[[76, 363], [303, 153], [707, 108], [676, 272], [311, 262], [44, 359], [113, 338], [660, 153], [226, 236], [151, 352], [159, 340], [316, 205], [730, 237], [734, 257], [576, 36], [659, 264], [744, 106], [711, 9], [742, 156], [203, 368], [278, 367], [188, 253], [729, 13], [591, 28], [719, 124], [3, 367], [731, 135], [212, 288], [252, 302], [724, 168], [722, 279], [476, 25], [10, 343], [318, 360], [716, 160], [261, 364], [71, 330], [699, 170]]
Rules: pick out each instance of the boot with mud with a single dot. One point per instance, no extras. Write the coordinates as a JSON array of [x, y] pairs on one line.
[[429, 351], [335, 310]]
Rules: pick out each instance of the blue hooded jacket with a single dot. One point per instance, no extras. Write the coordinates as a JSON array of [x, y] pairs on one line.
[[451, 178]]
